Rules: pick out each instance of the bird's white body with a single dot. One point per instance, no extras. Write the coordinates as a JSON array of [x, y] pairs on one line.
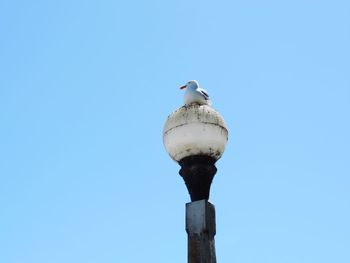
[[195, 95]]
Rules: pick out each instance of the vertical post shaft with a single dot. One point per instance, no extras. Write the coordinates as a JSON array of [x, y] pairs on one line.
[[201, 229]]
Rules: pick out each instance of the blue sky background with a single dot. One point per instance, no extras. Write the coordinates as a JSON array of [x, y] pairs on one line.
[[86, 86]]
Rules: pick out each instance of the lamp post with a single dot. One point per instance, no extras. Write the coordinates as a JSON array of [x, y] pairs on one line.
[[195, 136]]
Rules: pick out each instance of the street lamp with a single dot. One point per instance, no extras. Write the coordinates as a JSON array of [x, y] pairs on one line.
[[195, 136]]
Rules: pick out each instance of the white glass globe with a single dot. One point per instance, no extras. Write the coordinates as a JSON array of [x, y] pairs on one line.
[[195, 130]]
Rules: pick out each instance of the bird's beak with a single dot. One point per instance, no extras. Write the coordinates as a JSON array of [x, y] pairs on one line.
[[184, 86]]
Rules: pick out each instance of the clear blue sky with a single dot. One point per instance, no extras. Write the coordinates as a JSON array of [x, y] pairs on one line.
[[86, 86]]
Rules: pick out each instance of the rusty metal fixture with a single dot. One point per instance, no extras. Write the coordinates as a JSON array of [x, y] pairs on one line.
[[198, 173]]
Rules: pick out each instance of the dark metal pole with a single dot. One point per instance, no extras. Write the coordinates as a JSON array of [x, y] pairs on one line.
[[198, 173], [201, 229]]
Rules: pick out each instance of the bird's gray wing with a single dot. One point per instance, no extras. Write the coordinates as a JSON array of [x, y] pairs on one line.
[[204, 93]]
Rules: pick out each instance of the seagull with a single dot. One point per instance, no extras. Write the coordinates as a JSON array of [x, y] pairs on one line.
[[194, 94]]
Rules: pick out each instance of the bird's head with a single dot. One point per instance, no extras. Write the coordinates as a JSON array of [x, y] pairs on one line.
[[192, 84]]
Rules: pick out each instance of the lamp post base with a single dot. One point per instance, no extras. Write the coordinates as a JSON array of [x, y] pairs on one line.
[[198, 173], [201, 229]]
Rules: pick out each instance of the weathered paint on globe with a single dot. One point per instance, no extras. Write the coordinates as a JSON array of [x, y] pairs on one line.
[[195, 130]]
